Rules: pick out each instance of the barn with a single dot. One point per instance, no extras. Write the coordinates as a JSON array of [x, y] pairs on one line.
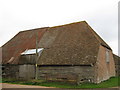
[[71, 52]]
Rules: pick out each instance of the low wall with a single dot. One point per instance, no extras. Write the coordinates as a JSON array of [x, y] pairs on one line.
[[67, 73]]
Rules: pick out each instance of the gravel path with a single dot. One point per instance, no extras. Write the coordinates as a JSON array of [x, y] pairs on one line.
[[6, 85]]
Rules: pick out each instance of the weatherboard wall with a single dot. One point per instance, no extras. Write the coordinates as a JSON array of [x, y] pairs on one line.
[[10, 71], [18, 71], [67, 73]]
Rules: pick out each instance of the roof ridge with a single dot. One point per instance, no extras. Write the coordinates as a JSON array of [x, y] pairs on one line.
[[66, 24], [34, 29]]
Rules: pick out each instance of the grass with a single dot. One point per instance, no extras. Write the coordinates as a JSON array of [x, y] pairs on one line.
[[0, 79], [112, 82]]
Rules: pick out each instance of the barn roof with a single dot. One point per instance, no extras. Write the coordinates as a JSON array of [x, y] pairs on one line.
[[71, 44], [19, 43]]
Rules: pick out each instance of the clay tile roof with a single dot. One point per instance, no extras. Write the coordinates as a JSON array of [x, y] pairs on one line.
[[19, 43], [71, 44]]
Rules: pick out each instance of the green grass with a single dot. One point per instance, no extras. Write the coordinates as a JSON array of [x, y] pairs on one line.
[[112, 82], [0, 79]]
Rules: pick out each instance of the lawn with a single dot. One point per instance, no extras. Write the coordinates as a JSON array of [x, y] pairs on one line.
[[112, 82]]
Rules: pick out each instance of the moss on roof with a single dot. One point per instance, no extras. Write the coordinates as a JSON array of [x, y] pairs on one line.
[[71, 44]]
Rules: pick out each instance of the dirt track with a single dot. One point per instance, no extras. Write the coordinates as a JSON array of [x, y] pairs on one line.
[[6, 85]]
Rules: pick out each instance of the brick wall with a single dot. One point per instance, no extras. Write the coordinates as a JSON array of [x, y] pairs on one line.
[[104, 70]]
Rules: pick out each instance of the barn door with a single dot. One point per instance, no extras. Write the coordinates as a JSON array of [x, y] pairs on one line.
[[27, 71]]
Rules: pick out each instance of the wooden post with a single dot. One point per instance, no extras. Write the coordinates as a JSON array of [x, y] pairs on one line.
[[36, 73]]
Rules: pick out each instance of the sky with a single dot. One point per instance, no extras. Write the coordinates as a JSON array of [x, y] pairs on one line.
[[20, 15]]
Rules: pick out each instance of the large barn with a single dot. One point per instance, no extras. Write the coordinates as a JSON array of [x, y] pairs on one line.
[[71, 52]]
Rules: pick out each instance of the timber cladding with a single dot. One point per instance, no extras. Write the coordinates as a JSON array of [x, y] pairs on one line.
[[27, 59], [67, 73], [18, 71], [10, 71], [27, 71]]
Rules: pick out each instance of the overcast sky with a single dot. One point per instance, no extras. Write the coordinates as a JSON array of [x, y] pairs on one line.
[[19, 15]]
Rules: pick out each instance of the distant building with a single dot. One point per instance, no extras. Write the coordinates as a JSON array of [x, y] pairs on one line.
[[72, 52], [117, 64]]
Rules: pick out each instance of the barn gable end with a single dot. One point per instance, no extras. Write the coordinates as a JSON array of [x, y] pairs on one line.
[[105, 66]]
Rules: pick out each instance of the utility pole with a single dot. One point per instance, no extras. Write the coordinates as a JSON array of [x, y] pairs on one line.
[[36, 72]]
